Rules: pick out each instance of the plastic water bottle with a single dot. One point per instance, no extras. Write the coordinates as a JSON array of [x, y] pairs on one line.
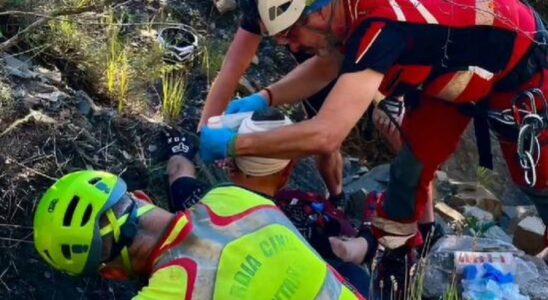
[[231, 121]]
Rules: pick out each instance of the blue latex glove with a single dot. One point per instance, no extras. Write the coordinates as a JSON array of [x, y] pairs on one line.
[[470, 272], [492, 273], [216, 144], [255, 102]]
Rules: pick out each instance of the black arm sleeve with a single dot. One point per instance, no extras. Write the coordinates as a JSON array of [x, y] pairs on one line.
[[374, 45], [250, 25]]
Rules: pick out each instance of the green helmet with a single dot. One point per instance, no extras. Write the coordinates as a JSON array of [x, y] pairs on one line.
[[66, 221]]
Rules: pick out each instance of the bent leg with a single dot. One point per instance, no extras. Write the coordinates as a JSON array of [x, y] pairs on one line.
[[184, 189], [330, 167], [432, 132]]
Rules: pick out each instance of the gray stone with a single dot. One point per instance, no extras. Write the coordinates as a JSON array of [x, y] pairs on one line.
[[448, 213], [52, 97], [520, 211], [18, 68], [224, 6], [444, 225], [529, 235], [374, 180], [475, 212], [495, 232], [462, 166], [474, 194], [306, 177], [47, 75]]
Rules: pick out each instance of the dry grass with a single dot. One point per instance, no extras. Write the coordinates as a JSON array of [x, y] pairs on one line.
[[173, 93]]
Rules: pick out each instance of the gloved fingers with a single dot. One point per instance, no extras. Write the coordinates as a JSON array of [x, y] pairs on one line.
[[215, 143], [255, 102]]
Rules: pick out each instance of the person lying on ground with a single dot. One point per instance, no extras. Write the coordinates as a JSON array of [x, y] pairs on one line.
[[234, 244]]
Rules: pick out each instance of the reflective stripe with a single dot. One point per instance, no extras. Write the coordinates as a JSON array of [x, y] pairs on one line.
[[234, 201], [177, 228], [346, 294], [168, 283], [481, 72], [393, 242], [393, 227], [430, 19], [369, 39], [485, 12], [397, 10]]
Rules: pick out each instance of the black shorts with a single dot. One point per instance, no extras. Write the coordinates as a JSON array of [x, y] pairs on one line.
[[185, 192]]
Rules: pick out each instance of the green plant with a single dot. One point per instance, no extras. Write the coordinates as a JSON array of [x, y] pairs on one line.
[[452, 292], [416, 280], [173, 91], [117, 69], [76, 3], [485, 177], [477, 227]]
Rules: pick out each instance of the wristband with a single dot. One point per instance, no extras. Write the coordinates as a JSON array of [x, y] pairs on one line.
[[232, 147], [270, 97]]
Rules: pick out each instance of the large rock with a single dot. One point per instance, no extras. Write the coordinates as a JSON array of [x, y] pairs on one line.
[[497, 233], [531, 272], [374, 180], [474, 194], [529, 235], [512, 215], [449, 214], [462, 166], [519, 212]]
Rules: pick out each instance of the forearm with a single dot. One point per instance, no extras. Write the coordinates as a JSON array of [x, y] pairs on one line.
[[323, 134], [302, 139], [237, 60], [305, 80]]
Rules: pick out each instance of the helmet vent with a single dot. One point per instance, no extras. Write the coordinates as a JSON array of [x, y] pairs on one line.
[[275, 11], [87, 215], [67, 220], [93, 181], [65, 249]]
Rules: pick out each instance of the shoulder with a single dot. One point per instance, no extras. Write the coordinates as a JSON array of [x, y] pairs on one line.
[[375, 44], [173, 281]]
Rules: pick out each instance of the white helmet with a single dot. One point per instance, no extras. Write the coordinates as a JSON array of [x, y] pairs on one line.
[[278, 15]]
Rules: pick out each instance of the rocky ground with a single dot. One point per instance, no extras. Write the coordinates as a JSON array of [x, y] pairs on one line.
[[54, 120]]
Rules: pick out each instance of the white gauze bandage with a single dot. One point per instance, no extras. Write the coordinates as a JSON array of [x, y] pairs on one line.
[[261, 166]]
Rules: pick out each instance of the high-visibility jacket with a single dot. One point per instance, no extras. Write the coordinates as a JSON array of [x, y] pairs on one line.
[[236, 244]]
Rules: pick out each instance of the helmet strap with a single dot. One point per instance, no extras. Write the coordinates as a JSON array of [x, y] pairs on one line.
[[124, 230]]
